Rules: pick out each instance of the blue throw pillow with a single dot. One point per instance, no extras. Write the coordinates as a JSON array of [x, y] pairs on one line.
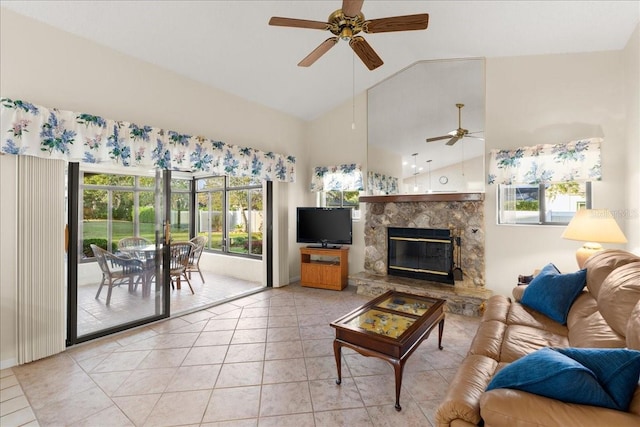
[[552, 293], [604, 377]]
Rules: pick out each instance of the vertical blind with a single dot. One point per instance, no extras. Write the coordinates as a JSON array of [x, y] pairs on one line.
[[40, 261]]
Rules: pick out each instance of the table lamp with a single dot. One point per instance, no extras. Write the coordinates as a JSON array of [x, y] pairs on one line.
[[593, 226]]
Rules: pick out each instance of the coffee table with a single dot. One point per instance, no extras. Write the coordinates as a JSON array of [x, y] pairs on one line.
[[389, 327]]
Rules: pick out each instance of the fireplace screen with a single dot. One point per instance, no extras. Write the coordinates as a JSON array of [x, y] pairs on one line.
[[421, 253]]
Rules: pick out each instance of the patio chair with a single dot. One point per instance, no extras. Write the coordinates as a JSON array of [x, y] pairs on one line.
[[127, 246], [116, 270], [194, 258], [180, 252]]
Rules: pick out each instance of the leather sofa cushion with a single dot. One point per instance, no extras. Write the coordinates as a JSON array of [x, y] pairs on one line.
[[584, 306], [592, 331], [522, 315], [634, 408], [633, 330], [619, 294], [602, 263], [488, 339], [521, 340], [498, 408]]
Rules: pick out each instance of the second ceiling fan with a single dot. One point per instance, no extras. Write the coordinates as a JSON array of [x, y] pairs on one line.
[[457, 134], [346, 23]]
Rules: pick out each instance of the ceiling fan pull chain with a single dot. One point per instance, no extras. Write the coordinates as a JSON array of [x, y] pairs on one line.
[[353, 91], [462, 143]]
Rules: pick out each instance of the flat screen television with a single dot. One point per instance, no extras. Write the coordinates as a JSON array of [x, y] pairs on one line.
[[324, 227]]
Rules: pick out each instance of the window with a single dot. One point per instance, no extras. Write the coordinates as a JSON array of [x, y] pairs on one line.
[[342, 199], [338, 186], [229, 211], [114, 207], [180, 208], [230, 214], [548, 204]]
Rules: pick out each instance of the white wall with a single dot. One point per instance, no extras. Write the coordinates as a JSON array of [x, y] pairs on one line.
[[386, 162], [331, 140], [631, 62], [551, 99], [52, 68], [8, 261]]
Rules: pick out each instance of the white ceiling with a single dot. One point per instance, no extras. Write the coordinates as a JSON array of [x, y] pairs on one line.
[[230, 46]]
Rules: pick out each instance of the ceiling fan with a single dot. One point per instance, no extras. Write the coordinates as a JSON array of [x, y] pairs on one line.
[[346, 23], [457, 134]]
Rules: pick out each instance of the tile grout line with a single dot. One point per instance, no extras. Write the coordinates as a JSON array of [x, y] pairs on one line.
[[5, 417]]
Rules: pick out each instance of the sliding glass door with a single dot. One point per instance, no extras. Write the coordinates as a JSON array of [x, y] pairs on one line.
[[117, 278]]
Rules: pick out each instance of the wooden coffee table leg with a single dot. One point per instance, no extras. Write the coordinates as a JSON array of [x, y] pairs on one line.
[[337, 351], [398, 368], [440, 329]]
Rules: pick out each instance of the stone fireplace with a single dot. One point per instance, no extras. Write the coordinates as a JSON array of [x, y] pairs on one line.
[[461, 215]]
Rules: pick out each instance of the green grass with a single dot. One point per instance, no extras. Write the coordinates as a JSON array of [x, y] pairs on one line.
[[121, 229]]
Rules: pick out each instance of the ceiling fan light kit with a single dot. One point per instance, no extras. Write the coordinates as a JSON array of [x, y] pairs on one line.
[[346, 24]]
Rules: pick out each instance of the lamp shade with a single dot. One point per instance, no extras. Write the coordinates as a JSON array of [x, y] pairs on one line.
[[594, 225]]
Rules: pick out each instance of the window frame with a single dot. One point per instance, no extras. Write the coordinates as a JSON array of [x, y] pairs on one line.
[[355, 208], [541, 206], [227, 188], [136, 187], [191, 190]]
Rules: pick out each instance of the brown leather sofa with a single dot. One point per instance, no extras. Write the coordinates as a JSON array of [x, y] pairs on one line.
[[605, 315]]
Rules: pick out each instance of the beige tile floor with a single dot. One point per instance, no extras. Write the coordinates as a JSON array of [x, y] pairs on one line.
[[266, 359], [94, 315]]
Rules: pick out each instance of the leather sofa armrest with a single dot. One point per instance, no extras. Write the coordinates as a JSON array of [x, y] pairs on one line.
[[460, 404], [518, 291], [513, 408]]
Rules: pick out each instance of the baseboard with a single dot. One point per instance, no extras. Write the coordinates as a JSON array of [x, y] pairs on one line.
[[8, 363]]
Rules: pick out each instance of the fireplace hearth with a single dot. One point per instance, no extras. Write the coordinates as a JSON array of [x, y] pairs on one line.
[[420, 253]]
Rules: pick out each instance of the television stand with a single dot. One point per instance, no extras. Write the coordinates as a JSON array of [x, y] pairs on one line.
[[324, 268]]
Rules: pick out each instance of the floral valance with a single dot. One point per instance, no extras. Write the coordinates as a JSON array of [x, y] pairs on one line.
[[550, 163], [32, 130], [380, 184], [346, 177]]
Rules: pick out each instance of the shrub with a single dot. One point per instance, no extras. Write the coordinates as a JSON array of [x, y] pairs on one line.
[[527, 205], [102, 243], [256, 247], [147, 214]]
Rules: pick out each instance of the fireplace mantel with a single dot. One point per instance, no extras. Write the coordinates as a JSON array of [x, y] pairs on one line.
[[433, 197]]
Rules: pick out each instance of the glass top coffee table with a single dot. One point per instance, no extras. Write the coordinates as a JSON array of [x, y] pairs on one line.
[[389, 327]]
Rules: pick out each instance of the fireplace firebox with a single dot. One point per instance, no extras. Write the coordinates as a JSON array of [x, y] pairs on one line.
[[420, 253]]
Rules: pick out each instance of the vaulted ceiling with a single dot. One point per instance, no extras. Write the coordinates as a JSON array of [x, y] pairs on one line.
[[229, 44]]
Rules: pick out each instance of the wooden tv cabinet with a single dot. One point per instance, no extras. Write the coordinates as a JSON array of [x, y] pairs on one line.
[[324, 268]]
